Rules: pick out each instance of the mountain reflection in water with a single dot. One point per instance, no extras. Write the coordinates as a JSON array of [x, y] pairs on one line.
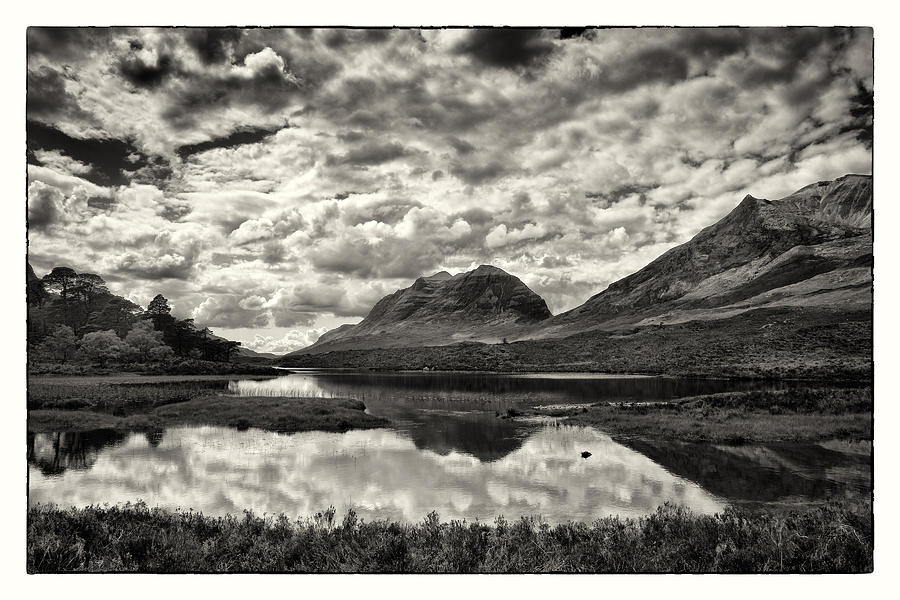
[[444, 412]]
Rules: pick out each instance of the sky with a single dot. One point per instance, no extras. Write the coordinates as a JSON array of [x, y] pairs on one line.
[[274, 184]]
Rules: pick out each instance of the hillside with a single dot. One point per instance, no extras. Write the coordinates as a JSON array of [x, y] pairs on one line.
[[812, 248]]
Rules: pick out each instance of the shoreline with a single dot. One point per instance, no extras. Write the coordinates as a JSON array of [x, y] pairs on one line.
[[801, 414]]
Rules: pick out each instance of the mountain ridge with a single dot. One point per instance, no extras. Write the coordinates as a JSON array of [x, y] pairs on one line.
[[812, 248]]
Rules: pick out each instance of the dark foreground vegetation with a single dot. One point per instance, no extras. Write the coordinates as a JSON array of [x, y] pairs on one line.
[[87, 404], [766, 343], [807, 414], [832, 538]]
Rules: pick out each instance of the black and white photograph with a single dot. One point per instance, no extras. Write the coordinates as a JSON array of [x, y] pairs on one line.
[[455, 298]]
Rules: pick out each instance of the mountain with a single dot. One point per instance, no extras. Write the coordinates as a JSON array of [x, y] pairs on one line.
[[802, 265], [811, 248], [248, 353], [486, 304], [243, 352]]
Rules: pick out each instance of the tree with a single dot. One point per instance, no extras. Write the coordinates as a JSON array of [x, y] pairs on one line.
[[158, 311], [60, 344], [158, 306], [104, 346], [160, 353], [87, 287], [35, 294], [113, 312], [61, 280], [144, 338]]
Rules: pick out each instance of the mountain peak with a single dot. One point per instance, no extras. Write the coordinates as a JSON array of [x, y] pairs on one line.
[[844, 202], [488, 270], [485, 304]]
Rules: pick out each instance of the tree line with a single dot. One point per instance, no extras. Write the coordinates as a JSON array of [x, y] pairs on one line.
[[74, 316]]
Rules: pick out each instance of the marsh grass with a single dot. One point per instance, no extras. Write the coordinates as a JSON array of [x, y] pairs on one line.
[[120, 399], [833, 538], [143, 406], [808, 414]]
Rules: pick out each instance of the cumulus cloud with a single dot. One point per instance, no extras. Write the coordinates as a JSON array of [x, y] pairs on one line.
[[227, 311], [292, 340], [58, 161], [44, 205], [500, 236]]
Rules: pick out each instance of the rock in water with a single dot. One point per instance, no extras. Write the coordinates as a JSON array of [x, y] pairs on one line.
[[585, 454]]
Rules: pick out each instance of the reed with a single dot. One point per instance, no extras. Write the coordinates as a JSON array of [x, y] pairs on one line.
[[833, 538]]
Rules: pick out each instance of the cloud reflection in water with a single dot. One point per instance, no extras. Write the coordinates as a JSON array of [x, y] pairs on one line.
[[381, 473]]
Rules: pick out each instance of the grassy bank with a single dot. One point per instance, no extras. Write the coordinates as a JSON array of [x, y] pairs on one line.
[[191, 366], [737, 417], [765, 343], [134, 538], [76, 404]]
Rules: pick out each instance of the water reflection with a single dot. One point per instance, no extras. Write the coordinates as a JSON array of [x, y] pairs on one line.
[[447, 450], [488, 390], [446, 412], [762, 473], [54, 453], [381, 473]]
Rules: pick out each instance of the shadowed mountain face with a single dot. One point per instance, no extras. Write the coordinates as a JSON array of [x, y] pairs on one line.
[[812, 248], [486, 304]]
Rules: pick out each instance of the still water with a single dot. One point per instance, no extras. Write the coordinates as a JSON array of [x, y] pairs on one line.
[[447, 450]]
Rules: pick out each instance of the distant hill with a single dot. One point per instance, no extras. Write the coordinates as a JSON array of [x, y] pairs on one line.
[[247, 352], [486, 304]]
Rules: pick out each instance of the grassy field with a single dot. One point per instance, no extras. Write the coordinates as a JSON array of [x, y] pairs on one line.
[[833, 538], [769, 343], [126, 404], [808, 414]]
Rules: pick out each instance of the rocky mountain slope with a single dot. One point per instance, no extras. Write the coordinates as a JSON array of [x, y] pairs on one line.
[[486, 304], [812, 248]]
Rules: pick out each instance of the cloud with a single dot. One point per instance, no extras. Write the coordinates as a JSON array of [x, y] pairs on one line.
[[227, 311], [477, 173], [49, 100], [44, 205], [506, 48], [58, 161], [371, 153], [500, 236], [213, 45], [292, 340], [146, 67], [112, 161], [296, 176], [238, 137]]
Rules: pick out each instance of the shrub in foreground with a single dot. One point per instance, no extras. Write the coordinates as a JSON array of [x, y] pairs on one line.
[[134, 538]]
